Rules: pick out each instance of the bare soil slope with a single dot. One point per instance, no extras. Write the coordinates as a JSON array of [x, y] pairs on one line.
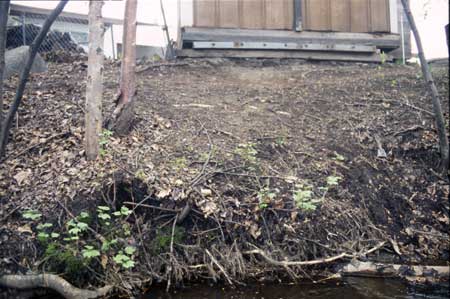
[[286, 157]]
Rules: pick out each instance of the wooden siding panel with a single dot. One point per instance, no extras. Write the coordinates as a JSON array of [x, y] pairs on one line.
[[340, 15], [252, 14], [205, 13], [379, 16], [359, 16], [318, 15], [228, 13], [279, 14]]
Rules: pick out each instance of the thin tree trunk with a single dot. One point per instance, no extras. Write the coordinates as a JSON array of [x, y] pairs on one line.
[[437, 109], [4, 10], [123, 115], [94, 87], [6, 125]]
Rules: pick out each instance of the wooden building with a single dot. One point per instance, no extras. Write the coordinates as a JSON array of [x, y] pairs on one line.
[[357, 30]]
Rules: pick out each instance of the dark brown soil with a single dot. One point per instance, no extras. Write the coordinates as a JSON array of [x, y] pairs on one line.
[[237, 139]]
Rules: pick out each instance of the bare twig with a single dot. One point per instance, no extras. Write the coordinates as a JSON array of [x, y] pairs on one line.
[[213, 259], [151, 207], [171, 253], [157, 65]]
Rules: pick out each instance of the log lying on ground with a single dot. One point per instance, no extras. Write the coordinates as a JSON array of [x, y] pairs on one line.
[[51, 281], [411, 272]]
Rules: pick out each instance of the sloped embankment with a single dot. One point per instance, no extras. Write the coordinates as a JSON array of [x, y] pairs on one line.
[[236, 170]]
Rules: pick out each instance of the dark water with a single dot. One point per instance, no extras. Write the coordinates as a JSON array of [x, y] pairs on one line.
[[351, 288]]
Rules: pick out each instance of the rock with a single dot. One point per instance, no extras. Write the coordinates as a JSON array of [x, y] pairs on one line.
[[16, 59]]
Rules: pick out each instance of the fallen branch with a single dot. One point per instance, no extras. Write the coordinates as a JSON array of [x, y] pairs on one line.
[[411, 129], [358, 268], [157, 65], [312, 262], [51, 281]]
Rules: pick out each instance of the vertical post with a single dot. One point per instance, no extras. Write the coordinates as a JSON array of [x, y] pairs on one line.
[[113, 43], [24, 33], [402, 30], [298, 26], [169, 52], [4, 13], [447, 34]]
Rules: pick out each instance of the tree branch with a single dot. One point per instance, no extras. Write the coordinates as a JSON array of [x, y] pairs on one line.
[[53, 282]]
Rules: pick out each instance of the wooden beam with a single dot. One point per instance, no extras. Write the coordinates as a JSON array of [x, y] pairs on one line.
[[382, 41], [309, 55], [284, 46]]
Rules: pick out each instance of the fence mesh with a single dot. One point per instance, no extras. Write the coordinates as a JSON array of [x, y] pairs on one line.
[[69, 34]]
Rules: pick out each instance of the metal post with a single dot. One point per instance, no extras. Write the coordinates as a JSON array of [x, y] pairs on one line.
[[113, 43], [298, 15], [402, 30], [170, 55], [24, 35]]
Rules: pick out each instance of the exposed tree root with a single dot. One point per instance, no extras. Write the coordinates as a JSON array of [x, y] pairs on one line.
[[53, 282], [312, 262]]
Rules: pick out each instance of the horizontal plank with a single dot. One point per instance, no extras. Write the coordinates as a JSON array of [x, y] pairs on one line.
[[382, 41], [283, 46], [309, 55]]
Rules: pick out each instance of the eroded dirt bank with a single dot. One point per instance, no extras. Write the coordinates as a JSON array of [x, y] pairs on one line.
[[229, 161]]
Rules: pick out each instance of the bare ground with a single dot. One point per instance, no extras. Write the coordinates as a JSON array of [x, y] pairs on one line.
[[276, 155]]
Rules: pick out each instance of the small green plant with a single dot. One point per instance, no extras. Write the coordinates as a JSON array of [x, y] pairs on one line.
[[247, 152], [265, 196], [179, 163], [307, 199], [163, 238], [280, 140], [393, 83], [76, 249], [304, 197], [383, 57], [31, 215], [124, 211], [105, 137], [103, 214], [124, 260], [89, 252], [338, 157], [333, 180], [140, 174], [43, 232]]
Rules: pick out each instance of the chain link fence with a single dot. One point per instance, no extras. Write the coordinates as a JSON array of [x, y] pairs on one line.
[[69, 33]]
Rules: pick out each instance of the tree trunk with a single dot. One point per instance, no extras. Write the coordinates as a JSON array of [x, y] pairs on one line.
[[437, 109], [123, 115], [94, 86], [6, 124], [4, 10]]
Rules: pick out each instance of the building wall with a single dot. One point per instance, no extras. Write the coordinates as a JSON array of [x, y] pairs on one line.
[[317, 15]]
